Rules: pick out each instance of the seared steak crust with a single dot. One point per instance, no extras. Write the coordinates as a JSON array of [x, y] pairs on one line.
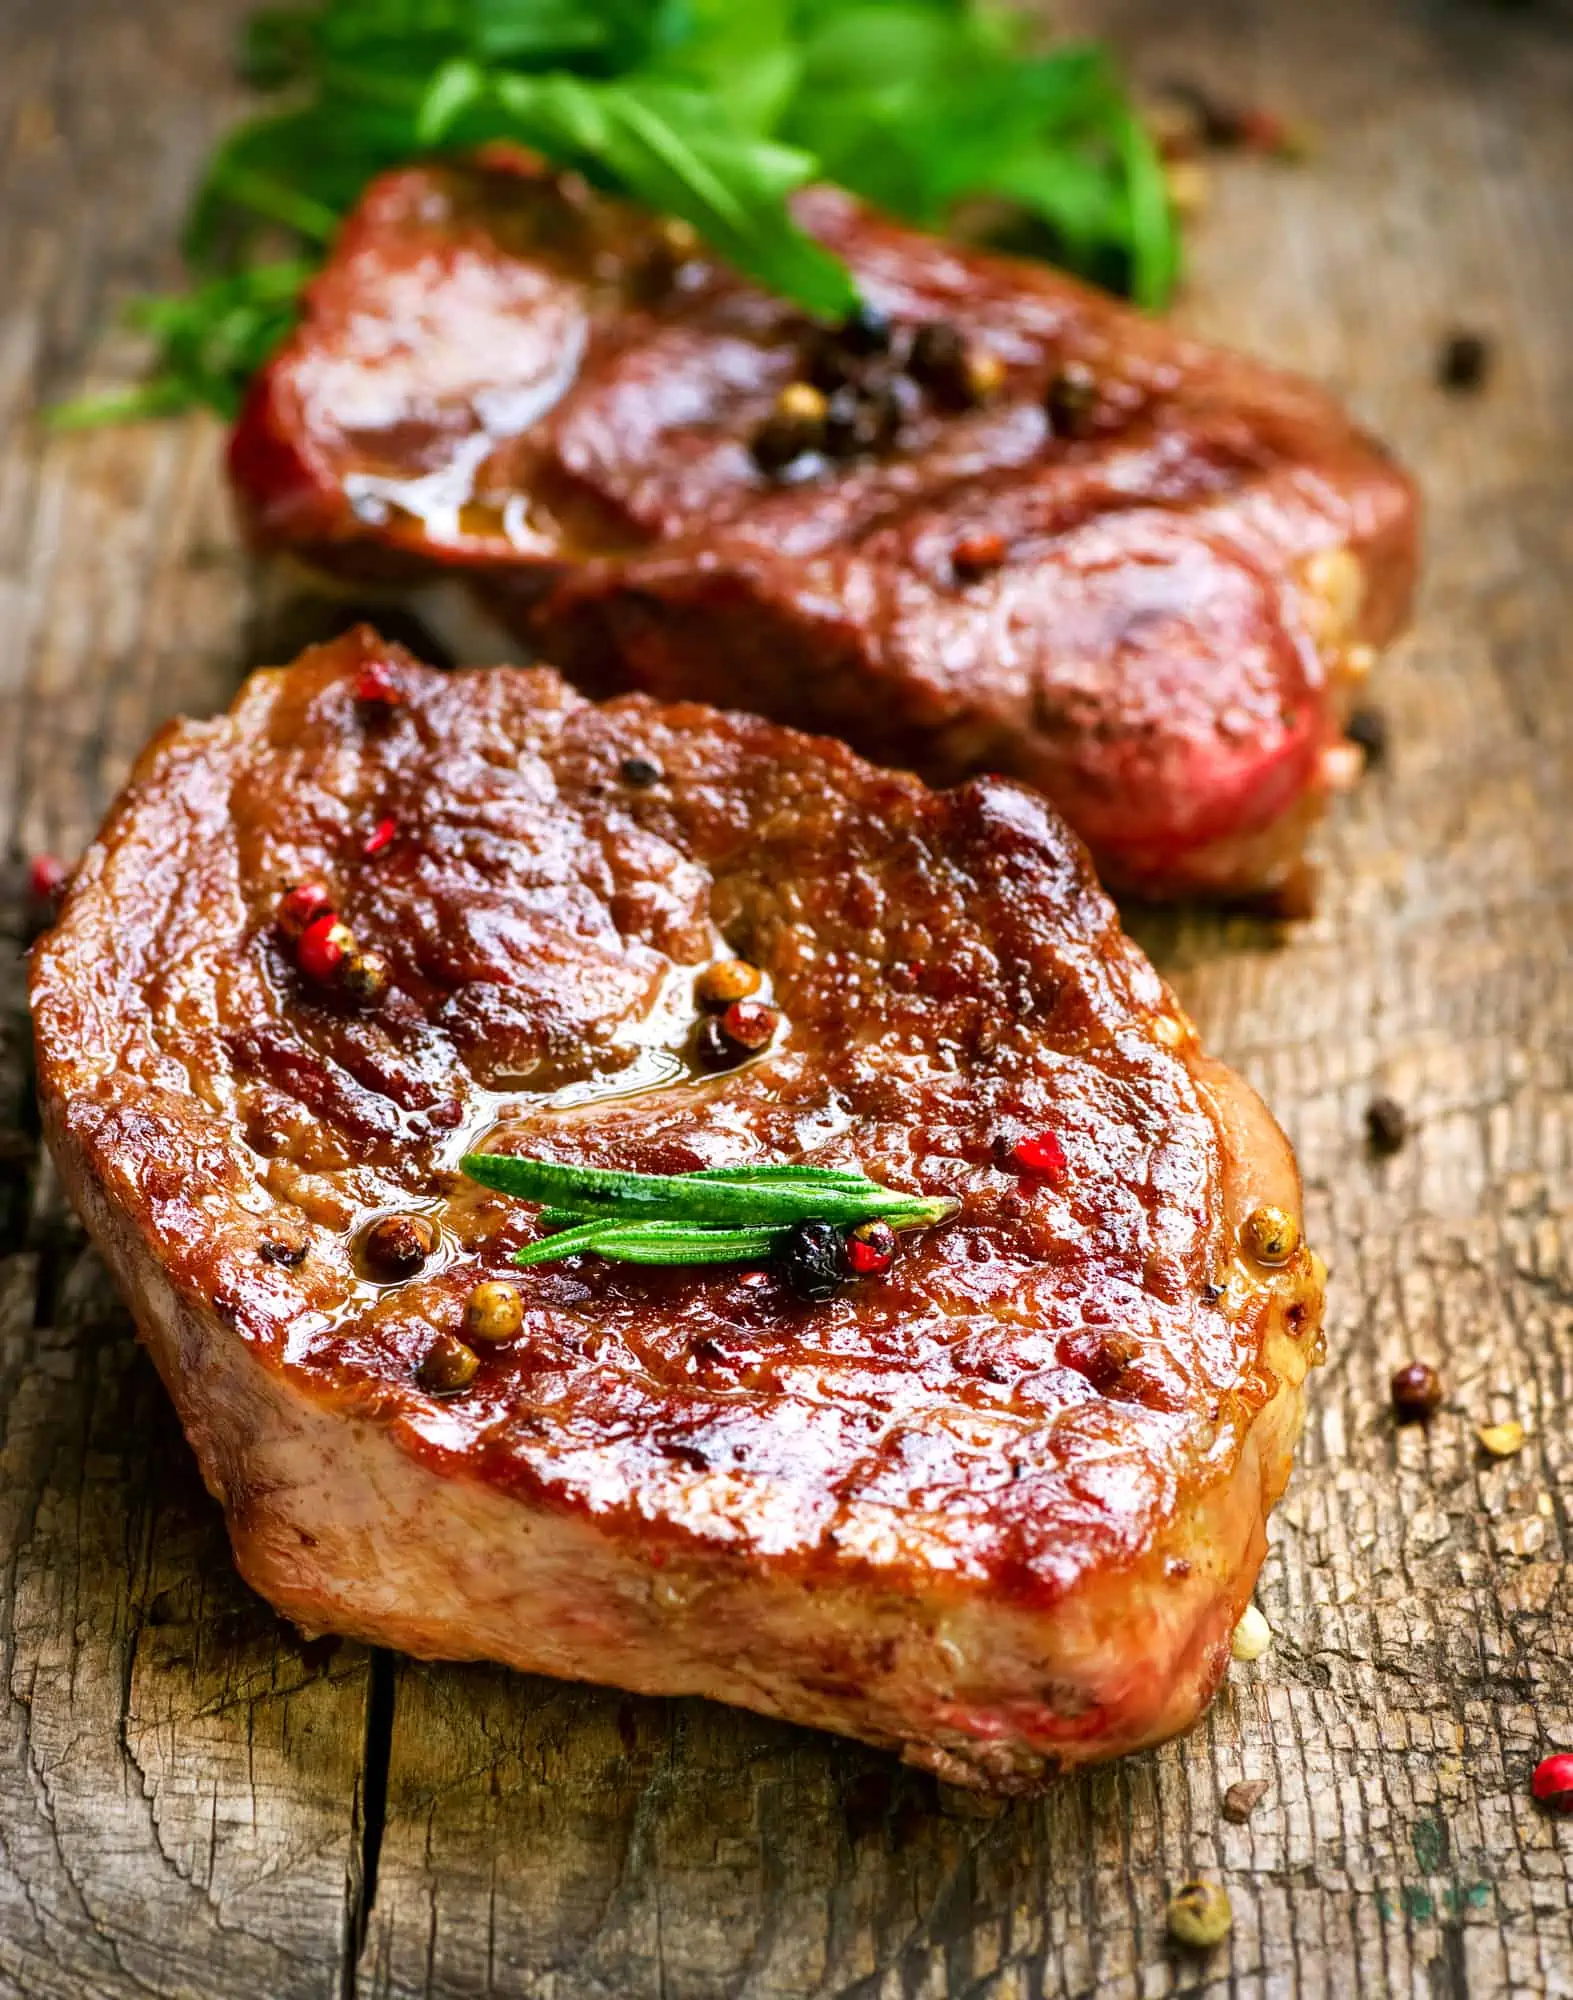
[[1000, 1509], [502, 373]]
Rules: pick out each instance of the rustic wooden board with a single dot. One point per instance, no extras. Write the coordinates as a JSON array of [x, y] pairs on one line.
[[194, 1801]]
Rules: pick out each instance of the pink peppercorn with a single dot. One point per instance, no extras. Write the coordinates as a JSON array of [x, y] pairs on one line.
[[1042, 1155], [870, 1249], [376, 688], [301, 906], [1552, 1783], [322, 946], [47, 877]]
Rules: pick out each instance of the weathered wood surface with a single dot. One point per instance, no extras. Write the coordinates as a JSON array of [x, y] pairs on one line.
[[193, 1801]]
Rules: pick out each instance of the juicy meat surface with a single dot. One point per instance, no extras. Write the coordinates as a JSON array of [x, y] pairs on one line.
[[502, 374], [1000, 1509]]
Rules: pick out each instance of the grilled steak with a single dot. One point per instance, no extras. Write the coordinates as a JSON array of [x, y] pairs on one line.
[[1139, 573], [999, 1509]]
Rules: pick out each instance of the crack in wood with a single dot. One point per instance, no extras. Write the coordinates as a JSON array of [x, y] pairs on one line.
[[371, 1814]]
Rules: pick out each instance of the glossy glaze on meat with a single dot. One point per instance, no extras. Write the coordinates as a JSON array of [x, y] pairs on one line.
[[999, 1510], [504, 376]]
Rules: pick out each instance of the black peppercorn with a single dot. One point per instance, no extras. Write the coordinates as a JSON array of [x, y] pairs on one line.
[[862, 420], [714, 1047], [866, 331], [1071, 399], [778, 441], [1463, 363], [1416, 1391], [939, 357], [1367, 728], [955, 371], [639, 772], [1386, 1124], [811, 1261]]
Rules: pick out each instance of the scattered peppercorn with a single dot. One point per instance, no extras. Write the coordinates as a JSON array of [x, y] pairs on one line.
[[866, 331], [493, 1313], [1071, 399], [811, 1261], [1042, 1155], [396, 1246], [447, 1366], [380, 837], [1367, 728], [802, 404], [712, 1048], [778, 441], [289, 1255], [1252, 1636], [870, 1249], [862, 420], [1502, 1440], [1416, 1389], [1199, 1915], [1270, 132], [320, 951], [750, 1025], [1386, 1124], [727, 980], [47, 876], [1215, 122], [301, 906], [364, 976], [639, 772], [795, 426], [1225, 127], [376, 688], [1463, 362], [985, 374], [1270, 1235], [975, 556], [672, 245], [1242, 1799], [1552, 1783], [955, 371], [939, 357]]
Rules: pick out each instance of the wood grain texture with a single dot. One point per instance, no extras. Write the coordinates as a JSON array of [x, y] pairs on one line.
[[194, 1801]]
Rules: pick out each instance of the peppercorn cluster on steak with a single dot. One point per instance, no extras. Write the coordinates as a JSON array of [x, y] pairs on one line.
[[997, 522], [998, 1507]]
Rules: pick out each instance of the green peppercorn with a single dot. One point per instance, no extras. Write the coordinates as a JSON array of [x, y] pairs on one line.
[[1271, 1235], [493, 1313], [447, 1366], [1199, 1915]]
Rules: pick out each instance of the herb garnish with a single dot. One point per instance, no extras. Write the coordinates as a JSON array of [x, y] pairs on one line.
[[718, 1215], [711, 110]]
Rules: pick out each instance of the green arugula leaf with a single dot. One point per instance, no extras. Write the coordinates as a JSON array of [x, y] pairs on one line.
[[211, 342], [712, 110]]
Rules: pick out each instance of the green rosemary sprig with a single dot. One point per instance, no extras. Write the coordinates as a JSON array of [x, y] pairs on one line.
[[713, 1216]]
